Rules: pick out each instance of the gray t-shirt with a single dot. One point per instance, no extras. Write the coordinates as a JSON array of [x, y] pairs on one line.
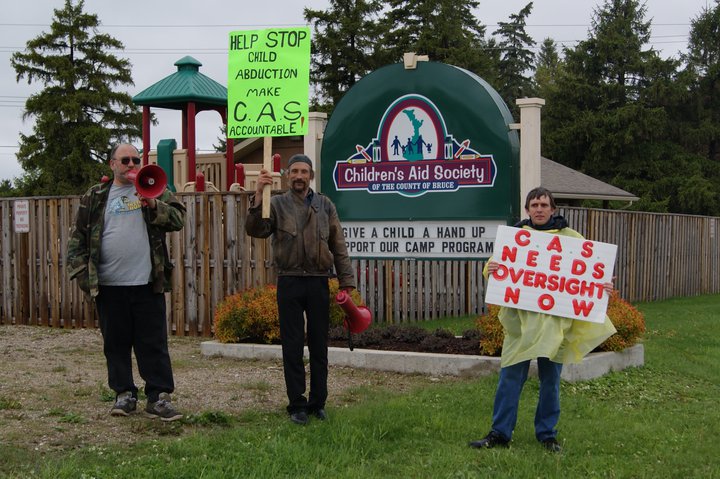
[[124, 247]]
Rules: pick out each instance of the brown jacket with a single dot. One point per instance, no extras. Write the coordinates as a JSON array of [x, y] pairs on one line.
[[307, 240]]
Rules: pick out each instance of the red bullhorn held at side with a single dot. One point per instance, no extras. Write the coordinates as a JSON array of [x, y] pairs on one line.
[[150, 180], [357, 318]]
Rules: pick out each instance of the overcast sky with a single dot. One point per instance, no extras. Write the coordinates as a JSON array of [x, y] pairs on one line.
[[157, 33]]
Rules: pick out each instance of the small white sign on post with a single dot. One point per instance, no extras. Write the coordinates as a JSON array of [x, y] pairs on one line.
[[551, 274], [21, 213]]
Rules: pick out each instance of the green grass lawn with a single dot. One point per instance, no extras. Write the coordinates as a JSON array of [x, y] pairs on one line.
[[659, 421], [456, 325]]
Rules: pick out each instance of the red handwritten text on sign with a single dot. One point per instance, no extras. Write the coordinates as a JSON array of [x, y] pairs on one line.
[[552, 274]]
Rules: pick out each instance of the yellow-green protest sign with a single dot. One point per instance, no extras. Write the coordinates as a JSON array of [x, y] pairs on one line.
[[268, 82]]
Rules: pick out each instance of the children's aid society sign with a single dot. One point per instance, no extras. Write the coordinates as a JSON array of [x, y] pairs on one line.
[[420, 163], [551, 274], [268, 82]]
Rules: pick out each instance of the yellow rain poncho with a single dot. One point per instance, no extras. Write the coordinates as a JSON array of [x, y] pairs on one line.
[[531, 335]]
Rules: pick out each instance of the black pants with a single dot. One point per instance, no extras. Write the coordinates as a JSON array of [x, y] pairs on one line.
[[133, 317], [297, 295]]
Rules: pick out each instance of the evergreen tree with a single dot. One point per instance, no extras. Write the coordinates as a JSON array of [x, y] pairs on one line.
[[548, 70], [343, 48], [593, 79], [6, 189], [516, 58], [445, 30], [77, 114], [221, 146], [701, 132], [702, 71], [547, 66], [609, 115]]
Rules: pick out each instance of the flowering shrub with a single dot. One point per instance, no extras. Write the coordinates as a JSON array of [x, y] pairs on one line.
[[491, 332], [629, 322], [252, 315]]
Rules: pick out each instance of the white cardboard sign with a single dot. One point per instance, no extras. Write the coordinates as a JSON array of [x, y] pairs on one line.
[[551, 274], [21, 213]]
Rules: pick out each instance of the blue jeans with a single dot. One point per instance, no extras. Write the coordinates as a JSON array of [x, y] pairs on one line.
[[507, 397]]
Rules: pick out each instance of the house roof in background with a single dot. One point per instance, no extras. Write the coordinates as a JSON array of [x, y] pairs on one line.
[[566, 183]]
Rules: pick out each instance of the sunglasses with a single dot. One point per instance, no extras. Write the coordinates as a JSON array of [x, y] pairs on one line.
[[125, 160]]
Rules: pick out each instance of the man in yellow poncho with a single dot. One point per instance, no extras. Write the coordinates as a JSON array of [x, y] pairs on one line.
[[551, 340]]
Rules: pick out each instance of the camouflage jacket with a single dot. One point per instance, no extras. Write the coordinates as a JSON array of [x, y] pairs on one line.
[[83, 254], [307, 240]]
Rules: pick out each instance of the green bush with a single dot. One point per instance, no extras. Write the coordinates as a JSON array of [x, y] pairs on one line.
[[252, 315], [629, 322]]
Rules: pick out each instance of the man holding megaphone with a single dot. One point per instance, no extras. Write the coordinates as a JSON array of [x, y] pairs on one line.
[[118, 255]]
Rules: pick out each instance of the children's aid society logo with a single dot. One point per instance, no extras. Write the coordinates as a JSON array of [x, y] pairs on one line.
[[413, 154]]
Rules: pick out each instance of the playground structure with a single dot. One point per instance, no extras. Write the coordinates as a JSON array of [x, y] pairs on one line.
[[192, 92]]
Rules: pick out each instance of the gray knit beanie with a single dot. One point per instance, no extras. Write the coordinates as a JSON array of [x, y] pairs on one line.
[[299, 157]]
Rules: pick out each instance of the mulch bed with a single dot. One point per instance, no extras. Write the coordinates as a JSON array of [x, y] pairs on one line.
[[414, 339]]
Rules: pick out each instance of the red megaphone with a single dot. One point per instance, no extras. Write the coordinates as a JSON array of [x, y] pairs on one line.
[[357, 318], [150, 180]]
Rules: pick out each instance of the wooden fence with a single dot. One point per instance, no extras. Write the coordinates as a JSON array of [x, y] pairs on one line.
[[659, 256]]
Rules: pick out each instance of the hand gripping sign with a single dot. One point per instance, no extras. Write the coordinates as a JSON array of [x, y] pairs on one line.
[[551, 274]]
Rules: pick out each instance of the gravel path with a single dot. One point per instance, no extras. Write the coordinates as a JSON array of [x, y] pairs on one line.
[[54, 394]]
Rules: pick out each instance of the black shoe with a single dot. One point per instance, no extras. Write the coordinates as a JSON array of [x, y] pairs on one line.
[[493, 439], [162, 408], [299, 417], [552, 445], [125, 404], [320, 414]]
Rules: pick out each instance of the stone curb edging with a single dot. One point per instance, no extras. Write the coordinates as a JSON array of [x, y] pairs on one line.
[[593, 365]]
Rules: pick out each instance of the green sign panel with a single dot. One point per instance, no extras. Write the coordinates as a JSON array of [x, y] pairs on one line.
[[268, 82], [422, 163]]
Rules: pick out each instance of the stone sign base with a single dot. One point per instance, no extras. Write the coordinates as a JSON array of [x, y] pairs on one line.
[[593, 366]]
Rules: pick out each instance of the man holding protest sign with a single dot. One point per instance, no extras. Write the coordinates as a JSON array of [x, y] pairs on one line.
[[308, 241], [552, 340]]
